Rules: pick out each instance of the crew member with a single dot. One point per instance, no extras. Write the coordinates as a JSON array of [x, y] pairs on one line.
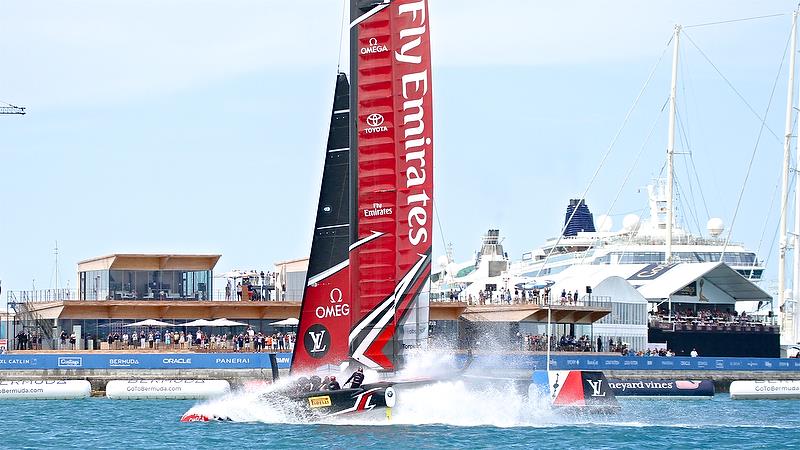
[[303, 385], [356, 378], [333, 385], [316, 383]]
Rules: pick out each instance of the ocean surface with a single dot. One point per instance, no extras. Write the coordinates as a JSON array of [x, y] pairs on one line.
[[439, 416]]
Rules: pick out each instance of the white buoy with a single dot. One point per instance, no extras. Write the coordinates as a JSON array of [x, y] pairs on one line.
[[166, 389], [44, 389], [765, 389]]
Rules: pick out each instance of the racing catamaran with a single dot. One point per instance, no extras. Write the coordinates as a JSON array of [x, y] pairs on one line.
[[366, 295]]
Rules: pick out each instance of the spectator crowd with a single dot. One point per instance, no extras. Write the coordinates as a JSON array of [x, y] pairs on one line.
[[156, 339]]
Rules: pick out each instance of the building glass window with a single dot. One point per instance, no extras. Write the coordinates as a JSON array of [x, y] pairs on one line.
[[142, 284]]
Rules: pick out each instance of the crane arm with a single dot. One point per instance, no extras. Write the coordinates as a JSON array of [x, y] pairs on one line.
[[11, 109]]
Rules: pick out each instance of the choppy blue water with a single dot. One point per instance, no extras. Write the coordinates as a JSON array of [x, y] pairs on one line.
[[103, 423]]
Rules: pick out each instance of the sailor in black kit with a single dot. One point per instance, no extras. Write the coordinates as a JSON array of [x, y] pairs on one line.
[[333, 385], [356, 378]]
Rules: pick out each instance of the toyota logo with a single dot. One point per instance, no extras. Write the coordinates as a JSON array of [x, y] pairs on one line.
[[374, 120]]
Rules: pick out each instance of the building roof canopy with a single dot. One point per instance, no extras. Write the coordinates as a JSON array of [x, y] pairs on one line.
[[131, 261], [719, 274]]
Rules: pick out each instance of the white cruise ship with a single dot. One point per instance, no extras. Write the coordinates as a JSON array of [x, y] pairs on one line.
[[638, 241]]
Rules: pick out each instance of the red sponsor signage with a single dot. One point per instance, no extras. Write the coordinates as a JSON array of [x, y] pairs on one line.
[[324, 322], [394, 176]]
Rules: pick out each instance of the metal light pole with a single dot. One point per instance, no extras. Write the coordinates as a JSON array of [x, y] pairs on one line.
[[548, 341]]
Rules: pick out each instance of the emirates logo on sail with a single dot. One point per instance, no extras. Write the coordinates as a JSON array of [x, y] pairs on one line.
[[377, 210], [375, 124], [417, 140]]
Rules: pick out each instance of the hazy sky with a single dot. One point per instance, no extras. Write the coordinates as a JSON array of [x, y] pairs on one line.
[[199, 126]]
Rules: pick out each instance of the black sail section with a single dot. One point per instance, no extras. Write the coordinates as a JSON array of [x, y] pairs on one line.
[[331, 229], [324, 321]]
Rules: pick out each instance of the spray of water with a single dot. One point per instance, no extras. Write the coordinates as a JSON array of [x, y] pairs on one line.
[[452, 400]]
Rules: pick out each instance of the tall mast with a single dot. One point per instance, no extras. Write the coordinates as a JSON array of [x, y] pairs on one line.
[[787, 150], [793, 333], [671, 144]]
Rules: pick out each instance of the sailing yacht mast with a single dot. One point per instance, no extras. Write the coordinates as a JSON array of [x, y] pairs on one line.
[[787, 143], [671, 145], [794, 331]]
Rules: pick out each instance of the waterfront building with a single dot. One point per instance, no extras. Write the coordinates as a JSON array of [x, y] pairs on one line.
[[146, 277], [682, 305]]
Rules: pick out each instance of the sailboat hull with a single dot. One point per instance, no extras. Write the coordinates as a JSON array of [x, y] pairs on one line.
[[370, 400]]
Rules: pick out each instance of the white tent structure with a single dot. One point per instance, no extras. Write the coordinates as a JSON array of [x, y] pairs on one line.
[[150, 323], [226, 323], [290, 322], [198, 323]]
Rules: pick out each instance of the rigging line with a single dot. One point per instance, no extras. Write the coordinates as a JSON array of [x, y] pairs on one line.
[[697, 179], [341, 36], [738, 94], [764, 229], [690, 212], [688, 147], [687, 81], [684, 130], [783, 206], [630, 172], [753, 157], [682, 133], [771, 95], [441, 230], [774, 238], [605, 156], [733, 20], [641, 212], [771, 246]]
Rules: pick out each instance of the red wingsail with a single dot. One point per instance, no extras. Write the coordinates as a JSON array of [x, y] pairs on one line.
[[392, 141]]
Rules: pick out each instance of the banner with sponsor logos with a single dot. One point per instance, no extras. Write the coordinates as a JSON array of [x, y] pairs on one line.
[[609, 362], [392, 160], [488, 362], [142, 361]]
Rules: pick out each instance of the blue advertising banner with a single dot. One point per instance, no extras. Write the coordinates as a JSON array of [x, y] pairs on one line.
[[609, 362], [261, 361], [142, 361]]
